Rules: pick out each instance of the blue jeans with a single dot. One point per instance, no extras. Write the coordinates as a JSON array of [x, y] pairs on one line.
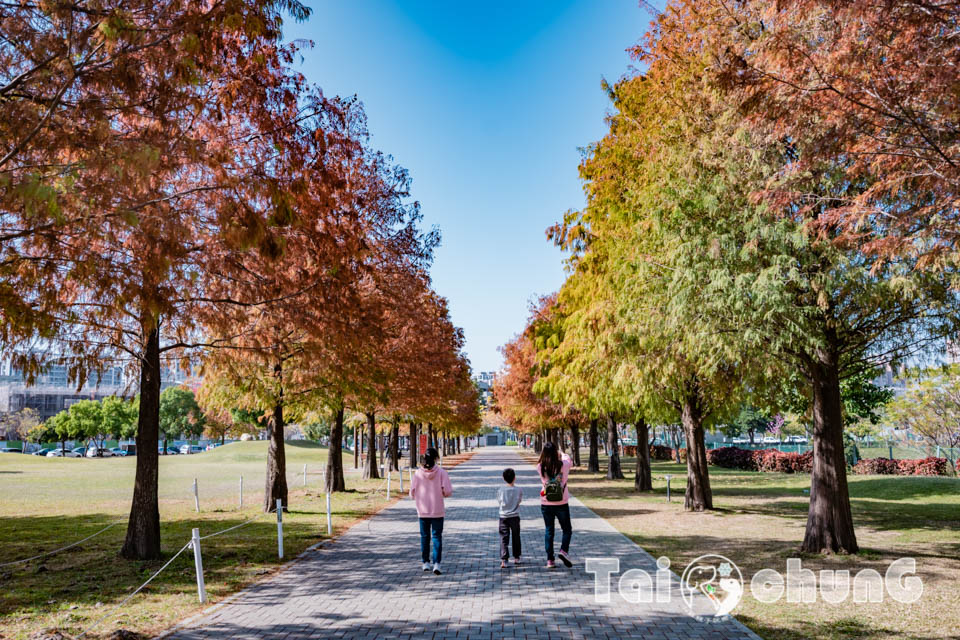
[[434, 525], [562, 513]]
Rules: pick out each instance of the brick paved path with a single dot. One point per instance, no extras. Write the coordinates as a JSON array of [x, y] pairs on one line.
[[369, 583]]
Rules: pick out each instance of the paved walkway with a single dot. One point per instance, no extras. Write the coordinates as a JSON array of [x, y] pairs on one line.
[[369, 583]]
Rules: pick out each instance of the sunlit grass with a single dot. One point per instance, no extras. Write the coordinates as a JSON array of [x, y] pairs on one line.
[[48, 503]]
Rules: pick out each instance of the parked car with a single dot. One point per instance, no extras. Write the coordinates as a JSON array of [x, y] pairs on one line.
[[10, 450], [171, 451], [117, 451], [99, 452], [771, 440], [61, 453], [214, 445], [191, 448], [797, 439], [80, 451], [42, 452], [129, 449]]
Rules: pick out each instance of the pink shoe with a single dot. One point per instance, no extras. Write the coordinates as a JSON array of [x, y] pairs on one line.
[[550, 564], [516, 561], [503, 564], [564, 558]]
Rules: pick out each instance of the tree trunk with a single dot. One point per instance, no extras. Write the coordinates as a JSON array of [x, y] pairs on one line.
[[143, 527], [165, 452], [276, 488], [334, 473], [431, 437], [575, 444], [356, 447], [459, 439], [614, 471], [829, 520], [698, 496], [643, 481], [537, 442], [370, 466], [593, 464], [414, 436], [395, 445]]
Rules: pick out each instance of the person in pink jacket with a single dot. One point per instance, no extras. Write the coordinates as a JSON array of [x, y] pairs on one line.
[[431, 484]]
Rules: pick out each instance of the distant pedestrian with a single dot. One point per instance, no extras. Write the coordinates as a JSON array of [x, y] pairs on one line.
[[431, 484], [509, 498], [554, 471]]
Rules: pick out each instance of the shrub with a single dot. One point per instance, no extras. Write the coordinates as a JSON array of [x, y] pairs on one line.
[[884, 466], [925, 467], [659, 452], [732, 458], [876, 466], [682, 454]]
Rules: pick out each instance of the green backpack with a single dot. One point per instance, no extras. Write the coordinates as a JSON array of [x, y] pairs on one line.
[[553, 490]]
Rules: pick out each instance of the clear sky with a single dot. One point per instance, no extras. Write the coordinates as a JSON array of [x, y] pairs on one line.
[[487, 104]]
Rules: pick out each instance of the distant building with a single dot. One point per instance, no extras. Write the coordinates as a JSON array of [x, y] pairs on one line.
[[52, 391]]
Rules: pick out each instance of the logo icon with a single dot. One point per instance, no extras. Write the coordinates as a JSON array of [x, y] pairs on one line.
[[715, 577]]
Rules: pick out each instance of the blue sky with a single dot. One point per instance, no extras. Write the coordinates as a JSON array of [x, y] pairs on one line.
[[487, 104]]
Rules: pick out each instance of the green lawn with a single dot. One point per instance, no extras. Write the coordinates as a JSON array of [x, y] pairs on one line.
[[759, 522], [51, 502]]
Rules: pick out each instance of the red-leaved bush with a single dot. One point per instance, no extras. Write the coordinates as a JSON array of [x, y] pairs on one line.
[[732, 458], [682, 454], [660, 452], [884, 466], [760, 460]]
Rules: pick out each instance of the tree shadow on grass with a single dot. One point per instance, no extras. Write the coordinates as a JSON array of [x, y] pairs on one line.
[[847, 629], [93, 572]]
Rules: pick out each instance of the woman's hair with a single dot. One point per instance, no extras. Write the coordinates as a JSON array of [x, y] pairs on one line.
[[430, 458], [550, 464]]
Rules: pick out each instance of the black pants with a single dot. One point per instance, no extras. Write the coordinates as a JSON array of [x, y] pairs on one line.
[[509, 526]]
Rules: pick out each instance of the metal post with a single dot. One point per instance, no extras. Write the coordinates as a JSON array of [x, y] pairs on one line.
[[241, 493], [668, 487], [401, 480], [890, 449], [388, 484], [304, 475], [198, 563], [196, 495], [280, 528], [329, 517]]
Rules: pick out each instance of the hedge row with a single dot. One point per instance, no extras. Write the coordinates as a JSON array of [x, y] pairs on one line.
[[760, 460], [887, 467]]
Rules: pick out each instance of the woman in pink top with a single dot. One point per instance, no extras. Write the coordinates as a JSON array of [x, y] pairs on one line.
[[431, 484], [552, 469]]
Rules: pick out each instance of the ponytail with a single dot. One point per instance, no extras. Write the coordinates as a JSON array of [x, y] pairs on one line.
[[430, 458]]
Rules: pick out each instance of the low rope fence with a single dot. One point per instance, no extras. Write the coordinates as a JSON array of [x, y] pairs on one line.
[[195, 541], [56, 551]]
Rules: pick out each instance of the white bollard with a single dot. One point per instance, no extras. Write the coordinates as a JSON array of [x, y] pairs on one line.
[[329, 517], [401, 481], [280, 528], [241, 493], [388, 484], [411, 476], [196, 495], [304, 475], [198, 563]]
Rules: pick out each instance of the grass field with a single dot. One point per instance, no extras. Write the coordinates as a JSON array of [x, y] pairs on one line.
[[759, 523], [50, 502]]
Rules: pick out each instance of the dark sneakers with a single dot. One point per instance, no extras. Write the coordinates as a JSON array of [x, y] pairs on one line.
[[564, 558]]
